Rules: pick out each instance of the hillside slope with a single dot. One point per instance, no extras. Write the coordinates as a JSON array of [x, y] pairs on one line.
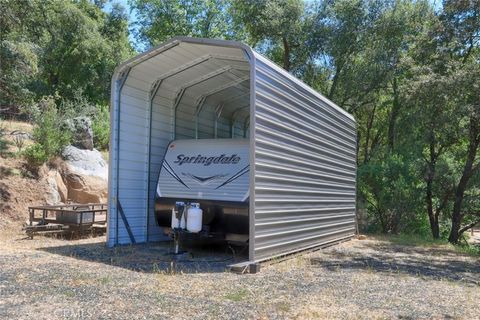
[[19, 189]]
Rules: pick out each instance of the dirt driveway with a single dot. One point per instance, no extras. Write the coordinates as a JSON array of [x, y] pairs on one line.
[[360, 279]]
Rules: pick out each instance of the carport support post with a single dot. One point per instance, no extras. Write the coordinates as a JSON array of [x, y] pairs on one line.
[[218, 113], [232, 128], [120, 82], [153, 92], [251, 118], [198, 109], [175, 107], [232, 120], [245, 126]]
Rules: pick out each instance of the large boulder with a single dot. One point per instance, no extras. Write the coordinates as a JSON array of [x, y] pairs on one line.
[[86, 189], [85, 174], [85, 162], [81, 128], [56, 191]]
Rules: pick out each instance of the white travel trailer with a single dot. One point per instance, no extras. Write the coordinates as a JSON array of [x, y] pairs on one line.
[[213, 173], [220, 100]]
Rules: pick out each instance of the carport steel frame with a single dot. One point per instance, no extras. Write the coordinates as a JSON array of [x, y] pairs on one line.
[[339, 116]]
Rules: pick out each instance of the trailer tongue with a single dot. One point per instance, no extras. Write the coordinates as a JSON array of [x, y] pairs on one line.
[[207, 174]]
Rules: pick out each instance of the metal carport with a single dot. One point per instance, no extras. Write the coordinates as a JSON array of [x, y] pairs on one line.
[[302, 146]]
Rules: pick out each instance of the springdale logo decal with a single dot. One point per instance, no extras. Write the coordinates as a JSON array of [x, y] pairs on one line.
[[207, 160], [205, 180]]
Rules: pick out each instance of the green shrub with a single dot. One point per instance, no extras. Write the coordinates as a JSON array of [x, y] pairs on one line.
[[35, 156], [101, 128], [391, 195], [3, 141], [49, 137], [76, 106]]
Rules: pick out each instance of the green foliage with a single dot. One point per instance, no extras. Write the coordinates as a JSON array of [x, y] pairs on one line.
[[237, 295], [390, 190], [160, 20], [3, 141], [427, 241], [48, 134], [406, 239], [19, 66], [79, 105], [35, 155], [469, 249], [278, 28], [101, 128], [59, 47]]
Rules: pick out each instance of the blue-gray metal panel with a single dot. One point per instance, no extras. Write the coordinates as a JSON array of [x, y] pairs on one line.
[[114, 123], [161, 136], [305, 166], [132, 162]]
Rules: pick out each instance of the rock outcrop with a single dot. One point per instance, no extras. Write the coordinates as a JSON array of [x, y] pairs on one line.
[[85, 162], [85, 175], [57, 191], [81, 128], [80, 178]]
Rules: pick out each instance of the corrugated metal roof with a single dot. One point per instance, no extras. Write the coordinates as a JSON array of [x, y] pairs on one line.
[[211, 72]]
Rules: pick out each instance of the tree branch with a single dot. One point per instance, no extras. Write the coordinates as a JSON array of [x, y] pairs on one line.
[[444, 202], [468, 226]]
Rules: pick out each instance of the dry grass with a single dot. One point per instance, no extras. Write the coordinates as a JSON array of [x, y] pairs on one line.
[[11, 125], [11, 149], [369, 279], [18, 189]]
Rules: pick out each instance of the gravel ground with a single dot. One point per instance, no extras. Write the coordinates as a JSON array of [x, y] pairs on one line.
[[360, 279]]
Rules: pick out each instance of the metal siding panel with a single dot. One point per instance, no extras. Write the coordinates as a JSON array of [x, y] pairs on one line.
[[251, 119], [305, 123], [161, 136], [132, 162], [305, 167], [114, 103]]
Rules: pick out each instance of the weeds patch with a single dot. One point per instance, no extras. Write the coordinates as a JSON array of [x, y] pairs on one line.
[[237, 296], [418, 241]]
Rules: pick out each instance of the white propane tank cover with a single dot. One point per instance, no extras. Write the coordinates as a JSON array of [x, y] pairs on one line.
[[194, 218], [175, 220]]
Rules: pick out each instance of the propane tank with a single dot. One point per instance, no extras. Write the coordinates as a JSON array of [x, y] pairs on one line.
[[194, 218], [175, 220]]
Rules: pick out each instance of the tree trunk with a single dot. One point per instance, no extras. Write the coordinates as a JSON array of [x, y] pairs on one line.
[[357, 151], [393, 117], [469, 226], [454, 236], [457, 205], [333, 88], [468, 171], [366, 152], [431, 167], [286, 54], [432, 215]]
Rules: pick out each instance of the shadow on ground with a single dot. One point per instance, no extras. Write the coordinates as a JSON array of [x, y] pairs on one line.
[[154, 257], [432, 263]]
